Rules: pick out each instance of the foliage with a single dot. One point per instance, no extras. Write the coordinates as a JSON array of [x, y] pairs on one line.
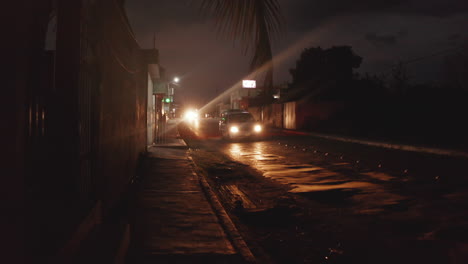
[[380, 107], [400, 78], [324, 69], [253, 23]]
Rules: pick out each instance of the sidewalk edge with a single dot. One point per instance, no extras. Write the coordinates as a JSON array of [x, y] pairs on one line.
[[383, 144], [226, 222]]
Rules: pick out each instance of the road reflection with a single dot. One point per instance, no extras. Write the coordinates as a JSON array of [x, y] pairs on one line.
[[235, 150], [364, 189]]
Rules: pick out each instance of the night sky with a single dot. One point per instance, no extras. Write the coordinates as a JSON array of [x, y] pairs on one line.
[[383, 32]]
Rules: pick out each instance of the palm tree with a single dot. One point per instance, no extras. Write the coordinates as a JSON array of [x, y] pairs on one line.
[[253, 23]]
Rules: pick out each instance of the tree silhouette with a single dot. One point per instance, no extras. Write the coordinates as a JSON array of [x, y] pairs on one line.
[[253, 23], [400, 78], [319, 69]]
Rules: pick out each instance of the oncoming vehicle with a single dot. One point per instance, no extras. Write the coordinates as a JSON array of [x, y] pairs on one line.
[[191, 115], [239, 124]]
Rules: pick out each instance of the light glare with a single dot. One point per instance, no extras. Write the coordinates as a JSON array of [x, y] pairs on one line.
[[191, 115], [234, 129], [258, 128]]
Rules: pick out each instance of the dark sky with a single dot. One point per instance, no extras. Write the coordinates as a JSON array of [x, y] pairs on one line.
[[381, 31]]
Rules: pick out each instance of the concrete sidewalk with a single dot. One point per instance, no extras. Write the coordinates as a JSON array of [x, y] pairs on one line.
[[173, 221]]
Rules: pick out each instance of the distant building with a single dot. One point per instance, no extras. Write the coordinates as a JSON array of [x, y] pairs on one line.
[[240, 97], [151, 57]]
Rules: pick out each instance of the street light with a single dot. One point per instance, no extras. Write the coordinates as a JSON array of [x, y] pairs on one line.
[[176, 79]]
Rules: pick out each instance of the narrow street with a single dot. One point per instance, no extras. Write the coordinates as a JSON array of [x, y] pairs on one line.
[[300, 199], [266, 131]]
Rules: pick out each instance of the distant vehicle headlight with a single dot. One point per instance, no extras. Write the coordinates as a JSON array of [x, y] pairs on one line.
[[191, 115], [258, 128], [234, 129]]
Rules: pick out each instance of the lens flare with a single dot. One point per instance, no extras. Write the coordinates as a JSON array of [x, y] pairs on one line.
[[258, 128], [191, 115], [234, 129]]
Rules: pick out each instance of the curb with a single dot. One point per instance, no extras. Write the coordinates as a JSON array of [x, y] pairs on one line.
[[419, 149], [171, 145], [226, 222]]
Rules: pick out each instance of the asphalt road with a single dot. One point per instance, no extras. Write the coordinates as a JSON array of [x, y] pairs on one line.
[[425, 195]]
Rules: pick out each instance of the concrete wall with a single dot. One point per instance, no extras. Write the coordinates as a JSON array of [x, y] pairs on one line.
[[309, 115], [150, 113], [270, 115], [256, 112], [15, 103], [273, 115], [289, 115], [295, 115], [92, 131], [123, 105]]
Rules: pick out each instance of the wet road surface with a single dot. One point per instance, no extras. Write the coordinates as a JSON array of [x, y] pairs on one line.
[[370, 178], [404, 187]]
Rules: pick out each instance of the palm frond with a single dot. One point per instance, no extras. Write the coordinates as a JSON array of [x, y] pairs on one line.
[[251, 22]]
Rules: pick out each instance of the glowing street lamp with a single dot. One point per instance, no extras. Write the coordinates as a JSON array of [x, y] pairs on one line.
[[176, 79]]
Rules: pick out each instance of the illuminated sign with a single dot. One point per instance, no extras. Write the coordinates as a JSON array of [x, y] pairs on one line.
[[249, 84]]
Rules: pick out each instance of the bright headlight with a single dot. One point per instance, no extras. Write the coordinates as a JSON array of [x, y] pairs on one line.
[[234, 129], [191, 115], [258, 128]]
